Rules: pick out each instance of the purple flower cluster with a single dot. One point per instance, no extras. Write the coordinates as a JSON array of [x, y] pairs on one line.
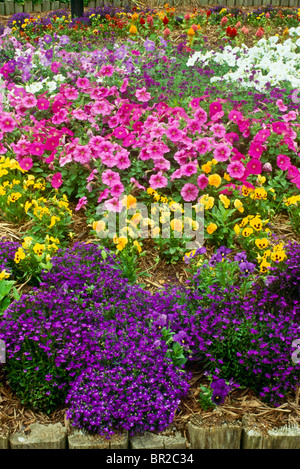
[[83, 335], [7, 254], [250, 340]]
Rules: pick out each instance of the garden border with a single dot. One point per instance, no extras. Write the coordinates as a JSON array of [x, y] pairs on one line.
[[227, 436]]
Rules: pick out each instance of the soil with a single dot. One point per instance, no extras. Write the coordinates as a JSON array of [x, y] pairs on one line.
[[241, 405]]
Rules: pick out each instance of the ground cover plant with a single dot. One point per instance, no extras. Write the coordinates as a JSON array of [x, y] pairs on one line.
[[171, 137]]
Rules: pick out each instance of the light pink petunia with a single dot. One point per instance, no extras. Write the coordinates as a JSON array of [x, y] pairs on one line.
[[221, 152], [173, 133], [189, 169], [113, 205], [110, 177], [189, 192], [117, 189], [142, 95], [158, 181]]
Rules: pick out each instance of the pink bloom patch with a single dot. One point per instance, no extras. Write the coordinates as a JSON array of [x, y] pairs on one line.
[[283, 162], [236, 169], [202, 181], [189, 192], [81, 203], [254, 166], [142, 95], [56, 181], [26, 163], [158, 181], [222, 153]]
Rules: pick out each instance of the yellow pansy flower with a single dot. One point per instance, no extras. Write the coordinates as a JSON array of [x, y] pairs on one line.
[[214, 180], [262, 243], [212, 227]]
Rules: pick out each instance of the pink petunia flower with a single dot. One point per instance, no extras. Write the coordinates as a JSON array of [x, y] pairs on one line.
[[103, 195], [222, 152], [26, 163], [56, 181], [142, 95], [281, 105], [236, 169], [189, 169], [256, 149], [43, 104], [203, 145], [137, 184], [81, 203], [283, 162], [189, 192], [110, 177], [158, 181], [113, 205], [254, 166], [202, 181], [7, 123], [117, 189]]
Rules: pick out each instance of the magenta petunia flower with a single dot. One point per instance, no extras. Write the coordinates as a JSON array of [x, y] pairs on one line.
[[236, 169], [26, 163], [202, 181], [81, 203], [254, 166], [202, 145], [189, 169], [56, 181], [256, 149], [235, 116], [283, 162], [43, 104], [7, 123], [107, 70], [201, 115], [214, 108], [189, 192]]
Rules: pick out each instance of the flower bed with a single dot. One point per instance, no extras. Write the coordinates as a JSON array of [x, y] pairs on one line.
[[124, 154]]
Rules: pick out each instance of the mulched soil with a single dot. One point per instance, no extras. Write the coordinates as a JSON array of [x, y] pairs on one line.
[[241, 405]]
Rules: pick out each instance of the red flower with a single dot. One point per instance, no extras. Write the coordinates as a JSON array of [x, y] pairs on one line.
[[142, 21], [231, 32], [208, 13], [165, 20]]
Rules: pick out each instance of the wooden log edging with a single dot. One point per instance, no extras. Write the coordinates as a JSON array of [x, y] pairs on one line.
[[9, 7], [226, 436]]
